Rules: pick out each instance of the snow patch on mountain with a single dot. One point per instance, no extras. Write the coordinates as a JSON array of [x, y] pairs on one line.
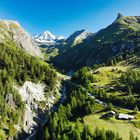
[[48, 38]]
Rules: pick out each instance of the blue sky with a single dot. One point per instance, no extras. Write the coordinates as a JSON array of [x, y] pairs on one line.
[[63, 17]]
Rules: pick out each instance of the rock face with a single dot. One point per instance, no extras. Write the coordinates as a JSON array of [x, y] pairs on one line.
[[78, 37], [12, 32], [33, 94], [10, 100]]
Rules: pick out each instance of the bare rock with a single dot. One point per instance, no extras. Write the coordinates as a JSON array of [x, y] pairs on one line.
[[11, 31]]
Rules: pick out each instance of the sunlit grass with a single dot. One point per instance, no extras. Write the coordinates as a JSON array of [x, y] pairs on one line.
[[120, 126]]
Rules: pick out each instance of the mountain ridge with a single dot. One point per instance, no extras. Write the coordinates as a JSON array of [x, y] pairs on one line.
[[12, 32], [78, 37], [121, 35], [53, 45]]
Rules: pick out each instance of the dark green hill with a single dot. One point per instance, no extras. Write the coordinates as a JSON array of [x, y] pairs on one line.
[[123, 34]]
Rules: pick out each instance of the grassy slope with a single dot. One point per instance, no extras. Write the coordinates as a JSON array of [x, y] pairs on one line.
[[106, 77], [122, 127]]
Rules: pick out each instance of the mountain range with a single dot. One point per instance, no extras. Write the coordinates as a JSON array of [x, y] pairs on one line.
[[52, 45], [30, 87], [121, 35], [82, 48]]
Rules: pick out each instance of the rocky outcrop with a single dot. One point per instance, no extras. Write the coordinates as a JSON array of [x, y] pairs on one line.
[[10, 100], [78, 37], [33, 95]]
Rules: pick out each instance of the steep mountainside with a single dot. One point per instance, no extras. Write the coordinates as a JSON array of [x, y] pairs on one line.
[[11, 31], [123, 34], [27, 84]]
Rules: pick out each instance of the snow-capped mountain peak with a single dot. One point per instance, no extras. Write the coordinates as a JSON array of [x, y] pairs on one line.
[[48, 37]]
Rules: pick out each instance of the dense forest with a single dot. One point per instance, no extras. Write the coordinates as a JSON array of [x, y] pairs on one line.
[[128, 83], [16, 67], [67, 124]]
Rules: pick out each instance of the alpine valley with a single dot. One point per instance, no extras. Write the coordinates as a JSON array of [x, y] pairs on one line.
[[84, 87]]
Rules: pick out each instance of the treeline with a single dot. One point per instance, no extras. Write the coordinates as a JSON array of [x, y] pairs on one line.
[[24, 67], [85, 134], [83, 77], [77, 104], [125, 55], [131, 79], [16, 67], [123, 101], [129, 84], [125, 48]]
